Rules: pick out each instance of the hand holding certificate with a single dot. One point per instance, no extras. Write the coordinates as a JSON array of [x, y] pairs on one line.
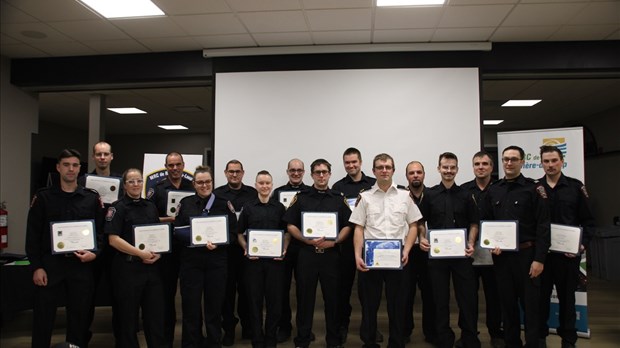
[[383, 253], [448, 243], [210, 229], [71, 236], [107, 187], [565, 239], [265, 243], [152, 237], [317, 225], [499, 234]]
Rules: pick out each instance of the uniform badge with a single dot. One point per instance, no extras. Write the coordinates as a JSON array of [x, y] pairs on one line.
[[584, 191], [541, 191], [34, 200], [150, 193], [231, 207], [110, 214]]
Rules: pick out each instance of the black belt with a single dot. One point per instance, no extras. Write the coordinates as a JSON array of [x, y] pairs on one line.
[[526, 245], [318, 250]]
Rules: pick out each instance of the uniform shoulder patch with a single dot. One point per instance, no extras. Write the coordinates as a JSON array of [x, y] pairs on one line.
[[540, 189], [230, 207], [110, 214], [150, 193], [584, 191]]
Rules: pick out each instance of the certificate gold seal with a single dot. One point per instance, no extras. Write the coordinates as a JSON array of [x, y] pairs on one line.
[[436, 250], [308, 230], [112, 188], [141, 246], [173, 209], [275, 241], [60, 245], [330, 222], [486, 242], [254, 249], [198, 238], [457, 240], [85, 232]]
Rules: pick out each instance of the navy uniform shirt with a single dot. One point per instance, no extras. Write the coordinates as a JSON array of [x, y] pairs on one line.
[[313, 200], [569, 205], [196, 206], [51, 204], [350, 188], [525, 200], [127, 212], [237, 197], [473, 189], [434, 207], [159, 194], [264, 216]]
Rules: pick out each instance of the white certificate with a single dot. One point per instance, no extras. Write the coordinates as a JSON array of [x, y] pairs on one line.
[[447, 243], [71, 236], [107, 186], [174, 198], [152, 237], [265, 243], [317, 225], [285, 197], [213, 229], [383, 253], [565, 239], [502, 234]]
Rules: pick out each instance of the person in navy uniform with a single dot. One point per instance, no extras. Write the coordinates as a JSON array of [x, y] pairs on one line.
[[319, 258], [53, 274], [263, 276], [516, 197], [569, 205], [203, 269]]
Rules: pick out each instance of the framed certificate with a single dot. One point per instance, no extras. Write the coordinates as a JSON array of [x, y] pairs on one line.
[[565, 239], [265, 243], [317, 225], [383, 253], [70, 236], [213, 229], [152, 237], [502, 234], [174, 197], [447, 243], [107, 186], [285, 197]]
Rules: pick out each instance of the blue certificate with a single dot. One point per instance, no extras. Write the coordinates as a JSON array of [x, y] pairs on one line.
[[383, 253]]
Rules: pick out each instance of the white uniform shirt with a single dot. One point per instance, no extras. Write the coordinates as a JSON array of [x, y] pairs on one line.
[[385, 215]]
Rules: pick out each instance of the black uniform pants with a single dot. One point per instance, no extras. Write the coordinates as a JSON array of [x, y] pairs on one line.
[[516, 287], [313, 267], [137, 285], [370, 290], [65, 274], [347, 278], [564, 273], [169, 265], [486, 274], [464, 282], [263, 281], [290, 264], [235, 292], [203, 284], [418, 271]]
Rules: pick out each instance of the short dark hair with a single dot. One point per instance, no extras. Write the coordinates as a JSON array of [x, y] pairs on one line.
[[174, 153], [414, 162], [481, 154], [66, 153], [203, 169], [352, 151], [234, 161], [383, 157], [263, 172], [551, 148], [318, 162], [447, 155], [125, 173], [515, 147]]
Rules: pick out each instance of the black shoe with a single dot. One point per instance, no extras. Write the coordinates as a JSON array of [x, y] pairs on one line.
[[344, 331], [379, 337], [228, 339], [566, 344], [283, 335]]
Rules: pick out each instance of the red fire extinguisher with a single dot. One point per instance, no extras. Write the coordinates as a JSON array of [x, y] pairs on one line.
[[4, 226]]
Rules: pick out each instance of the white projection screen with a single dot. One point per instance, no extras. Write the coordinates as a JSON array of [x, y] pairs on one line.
[[264, 119]]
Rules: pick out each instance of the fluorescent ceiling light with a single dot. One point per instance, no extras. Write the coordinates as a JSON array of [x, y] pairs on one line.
[[492, 122], [522, 102], [386, 3], [124, 8], [127, 111], [171, 126]]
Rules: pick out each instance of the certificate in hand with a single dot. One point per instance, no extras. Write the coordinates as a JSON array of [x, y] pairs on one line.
[[107, 186], [448, 243], [152, 237], [71, 236], [317, 225], [286, 197], [212, 229], [502, 234], [383, 253], [565, 239], [265, 243], [174, 198]]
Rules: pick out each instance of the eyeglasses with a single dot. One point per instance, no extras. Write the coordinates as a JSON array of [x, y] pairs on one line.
[[203, 182], [321, 172], [234, 172], [173, 165], [134, 182], [295, 171], [510, 159], [381, 168]]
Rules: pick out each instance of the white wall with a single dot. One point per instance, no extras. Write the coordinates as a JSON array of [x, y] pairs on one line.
[[18, 120]]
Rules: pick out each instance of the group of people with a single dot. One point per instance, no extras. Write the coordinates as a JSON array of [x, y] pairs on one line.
[[219, 282]]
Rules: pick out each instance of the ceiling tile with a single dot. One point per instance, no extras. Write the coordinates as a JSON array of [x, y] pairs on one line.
[[474, 16], [341, 37], [221, 41], [403, 35], [117, 46], [149, 27], [263, 5], [462, 34], [213, 24], [357, 19], [163, 44], [407, 18], [283, 39], [65, 49], [523, 33], [274, 22], [598, 13], [542, 14], [584, 32], [56, 10], [10, 14], [16, 31], [481, 2], [99, 29], [21, 51], [185, 7], [324, 4]]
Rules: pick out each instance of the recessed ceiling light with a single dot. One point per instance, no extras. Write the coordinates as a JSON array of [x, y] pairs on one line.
[[171, 126], [124, 8], [492, 122], [386, 3], [522, 102], [127, 111]]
